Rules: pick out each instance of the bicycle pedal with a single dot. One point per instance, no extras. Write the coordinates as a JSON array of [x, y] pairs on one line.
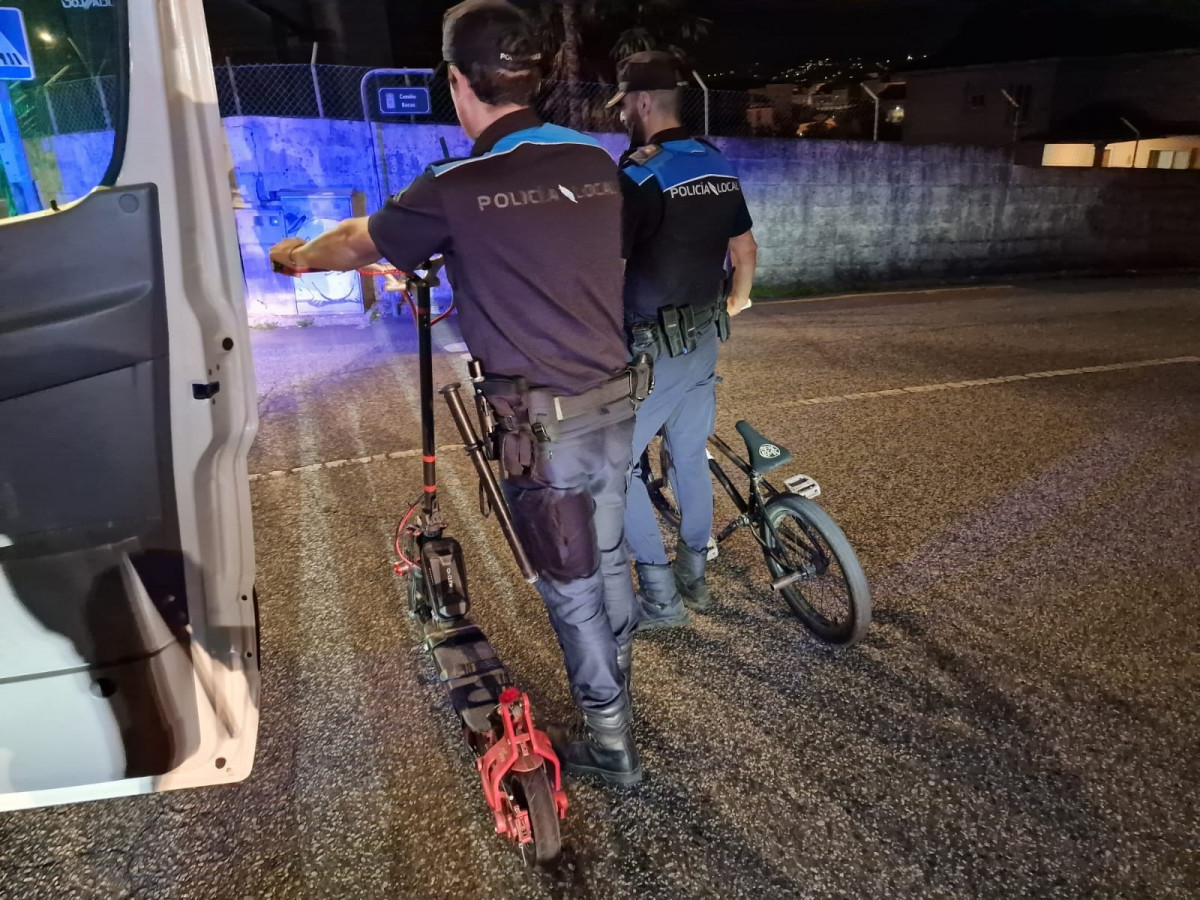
[[713, 552], [803, 486]]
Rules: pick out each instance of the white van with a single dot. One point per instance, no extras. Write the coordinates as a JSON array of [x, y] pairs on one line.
[[128, 633]]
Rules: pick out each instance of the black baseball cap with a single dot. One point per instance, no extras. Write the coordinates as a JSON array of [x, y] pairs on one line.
[[650, 70], [489, 33]]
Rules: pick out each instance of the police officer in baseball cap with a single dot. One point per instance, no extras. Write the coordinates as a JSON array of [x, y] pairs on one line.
[[530, 228], [684, 213]]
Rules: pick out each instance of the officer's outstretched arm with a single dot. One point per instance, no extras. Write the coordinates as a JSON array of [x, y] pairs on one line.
[[345, 247], [743, 254]]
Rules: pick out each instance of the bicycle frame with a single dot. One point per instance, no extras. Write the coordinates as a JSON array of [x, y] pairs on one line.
[[749, 508]]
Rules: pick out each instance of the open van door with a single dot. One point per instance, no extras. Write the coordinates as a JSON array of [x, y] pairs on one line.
[[128, 633]]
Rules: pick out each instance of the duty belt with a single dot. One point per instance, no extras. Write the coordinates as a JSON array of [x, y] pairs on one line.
[[676, 328], [548, 413]]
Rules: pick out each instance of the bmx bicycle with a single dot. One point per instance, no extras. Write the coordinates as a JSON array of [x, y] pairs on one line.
[[810, 560]]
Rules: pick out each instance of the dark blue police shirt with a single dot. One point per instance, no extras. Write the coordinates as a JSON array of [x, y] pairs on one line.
[[529, 225], [683, 203]]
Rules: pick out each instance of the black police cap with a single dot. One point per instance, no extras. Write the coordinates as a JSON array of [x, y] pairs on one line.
[[650, 70], [493, 34]]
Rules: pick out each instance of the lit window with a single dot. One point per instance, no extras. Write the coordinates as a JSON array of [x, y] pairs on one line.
[[1170, 159]]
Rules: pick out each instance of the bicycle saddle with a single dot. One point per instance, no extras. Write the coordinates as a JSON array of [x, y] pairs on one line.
[[765, 455]]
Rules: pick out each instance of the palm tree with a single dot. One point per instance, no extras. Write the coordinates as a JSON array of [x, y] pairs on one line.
[[658, 25], [564, 26], [640, 25]]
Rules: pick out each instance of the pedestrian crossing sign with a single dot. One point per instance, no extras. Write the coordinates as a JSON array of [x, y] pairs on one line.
[[16, 63]]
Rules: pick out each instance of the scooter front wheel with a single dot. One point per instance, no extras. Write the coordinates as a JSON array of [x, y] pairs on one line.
[[533, 791]]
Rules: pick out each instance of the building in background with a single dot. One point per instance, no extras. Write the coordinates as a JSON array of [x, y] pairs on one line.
[[1177, 152], [1113, 111]]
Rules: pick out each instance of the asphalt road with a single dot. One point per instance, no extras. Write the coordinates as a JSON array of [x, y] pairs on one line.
[[1021, 722]]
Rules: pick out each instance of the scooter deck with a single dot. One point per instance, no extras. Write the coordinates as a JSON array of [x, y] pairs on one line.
[[468, 665]]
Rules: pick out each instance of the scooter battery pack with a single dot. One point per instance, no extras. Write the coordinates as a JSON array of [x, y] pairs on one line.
[[445, 578]]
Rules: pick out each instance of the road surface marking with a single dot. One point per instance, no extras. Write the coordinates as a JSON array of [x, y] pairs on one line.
[[916, 292], [810, 401], [1000, 379]]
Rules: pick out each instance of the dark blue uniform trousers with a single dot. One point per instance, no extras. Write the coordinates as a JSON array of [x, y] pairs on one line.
[[683, 406], [570, 513]]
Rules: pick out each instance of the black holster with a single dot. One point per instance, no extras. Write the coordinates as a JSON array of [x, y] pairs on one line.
[[523, 417], [723, 325], [677, 328], [678, 324]]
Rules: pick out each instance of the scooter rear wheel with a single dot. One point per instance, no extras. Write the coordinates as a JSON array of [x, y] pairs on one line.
[[534, 793]]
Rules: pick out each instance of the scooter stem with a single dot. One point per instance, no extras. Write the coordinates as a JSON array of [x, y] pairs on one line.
[[428, 444]]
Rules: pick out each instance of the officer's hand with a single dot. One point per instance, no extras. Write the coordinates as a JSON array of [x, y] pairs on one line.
[[735, 305], [282, 253]]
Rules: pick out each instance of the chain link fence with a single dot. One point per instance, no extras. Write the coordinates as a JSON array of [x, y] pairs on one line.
[[335, 92], [44, 109]]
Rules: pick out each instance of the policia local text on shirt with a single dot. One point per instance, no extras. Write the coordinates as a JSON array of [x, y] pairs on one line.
[[529, 226], [684, 208]]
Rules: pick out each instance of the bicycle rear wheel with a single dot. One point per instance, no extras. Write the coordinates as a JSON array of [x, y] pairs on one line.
[[829, 593], [658, 485]]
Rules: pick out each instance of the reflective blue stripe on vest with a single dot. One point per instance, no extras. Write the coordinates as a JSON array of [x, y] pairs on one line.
[[681, 162], [545, 135]]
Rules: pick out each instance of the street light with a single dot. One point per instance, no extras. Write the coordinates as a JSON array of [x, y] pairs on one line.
[[46, 37], [875, 97], [1136, 140], [1016, 113]]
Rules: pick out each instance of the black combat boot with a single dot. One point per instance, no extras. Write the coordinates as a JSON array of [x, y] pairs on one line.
[[689, 576], [606, 747], [659, 598]]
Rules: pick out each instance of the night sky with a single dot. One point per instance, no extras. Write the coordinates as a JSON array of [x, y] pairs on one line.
[[781, 33]]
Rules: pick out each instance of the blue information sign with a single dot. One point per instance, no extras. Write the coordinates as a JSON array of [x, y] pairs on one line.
[[16, 62], [405, 101]]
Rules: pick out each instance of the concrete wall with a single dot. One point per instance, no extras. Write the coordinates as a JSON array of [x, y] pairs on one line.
[[67, 166], [827, 213], [831, 213], [272, 154]]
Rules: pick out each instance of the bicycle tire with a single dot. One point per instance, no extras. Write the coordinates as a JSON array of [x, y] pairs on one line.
[[815, 523], [657, 484]]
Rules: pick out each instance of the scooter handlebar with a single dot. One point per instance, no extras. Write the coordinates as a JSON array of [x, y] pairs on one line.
[[426, 271]]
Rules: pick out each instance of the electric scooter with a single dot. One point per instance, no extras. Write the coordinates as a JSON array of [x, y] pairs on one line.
[[520, 773]]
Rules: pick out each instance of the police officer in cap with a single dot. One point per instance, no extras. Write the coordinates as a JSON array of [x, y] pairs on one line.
[[684, 212], [529, 226]]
